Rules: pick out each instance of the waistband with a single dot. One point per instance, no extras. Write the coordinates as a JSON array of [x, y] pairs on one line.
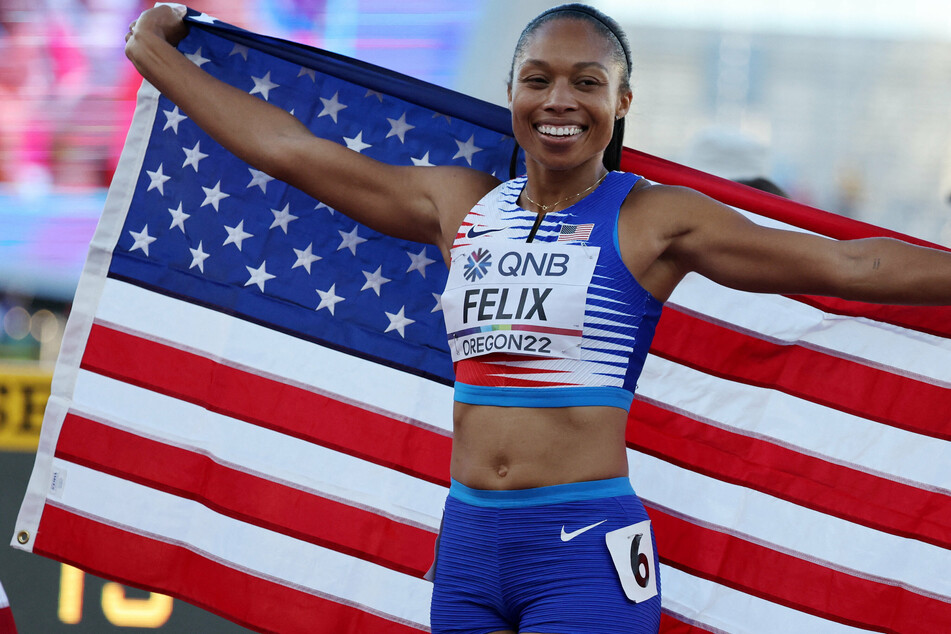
[[504, 396], [555, 494]]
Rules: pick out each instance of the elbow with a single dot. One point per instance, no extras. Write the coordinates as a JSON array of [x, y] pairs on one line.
[[849, 275]]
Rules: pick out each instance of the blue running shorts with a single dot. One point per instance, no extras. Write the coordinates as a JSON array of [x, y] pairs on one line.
[[536, 560]]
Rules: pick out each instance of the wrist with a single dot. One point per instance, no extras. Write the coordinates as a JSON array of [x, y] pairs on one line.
[[145, 46]]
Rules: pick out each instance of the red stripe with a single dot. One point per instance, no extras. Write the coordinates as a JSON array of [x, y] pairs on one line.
[[815, 376], [492, 372], [794, 582], [245, 497], [160, 567], [931, 319], [762, 203], [858, 497], [7, 626], [551, 331], [269, 403]]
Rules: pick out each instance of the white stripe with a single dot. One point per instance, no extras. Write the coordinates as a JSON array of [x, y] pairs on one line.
[[275, 354], [590, 320], [260, 451], [721, 609], [790, 422], [789, 528], [4, 601], [607, 297], [598, 332], [594, 308], [777, 317], [243, 546]]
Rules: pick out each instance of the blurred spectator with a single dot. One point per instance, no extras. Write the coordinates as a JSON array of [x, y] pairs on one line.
[[732, 155], [763, 184]]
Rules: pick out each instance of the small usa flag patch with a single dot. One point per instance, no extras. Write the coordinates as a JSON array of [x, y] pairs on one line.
[[575, 232]]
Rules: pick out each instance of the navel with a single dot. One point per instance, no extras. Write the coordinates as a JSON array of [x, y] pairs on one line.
[[502, 470]]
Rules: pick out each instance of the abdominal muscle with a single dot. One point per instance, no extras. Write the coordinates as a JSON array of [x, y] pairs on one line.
[[500, 448]]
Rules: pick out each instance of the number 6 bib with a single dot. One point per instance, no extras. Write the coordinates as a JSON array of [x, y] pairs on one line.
[[632, 550], [517, 298]]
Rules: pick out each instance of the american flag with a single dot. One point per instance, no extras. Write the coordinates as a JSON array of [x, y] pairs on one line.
[[252, 407], [572, 233]]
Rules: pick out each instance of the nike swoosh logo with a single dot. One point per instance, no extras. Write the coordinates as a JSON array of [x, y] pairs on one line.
[[567, 537], [475, 234]]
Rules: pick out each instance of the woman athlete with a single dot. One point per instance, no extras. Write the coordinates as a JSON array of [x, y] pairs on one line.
[[542, 531]]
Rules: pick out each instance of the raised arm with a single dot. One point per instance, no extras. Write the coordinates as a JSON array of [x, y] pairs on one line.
[[712, 239], [425, 204]]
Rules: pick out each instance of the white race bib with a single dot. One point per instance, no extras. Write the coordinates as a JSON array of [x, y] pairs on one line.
[[632, 550], [518, 298]]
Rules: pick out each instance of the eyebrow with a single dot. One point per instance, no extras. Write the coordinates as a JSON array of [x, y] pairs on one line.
[[576, 66]]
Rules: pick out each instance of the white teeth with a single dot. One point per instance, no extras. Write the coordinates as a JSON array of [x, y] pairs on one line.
[[553, 130]]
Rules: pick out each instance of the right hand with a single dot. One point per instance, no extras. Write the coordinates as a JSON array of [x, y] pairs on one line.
[[164, 21]]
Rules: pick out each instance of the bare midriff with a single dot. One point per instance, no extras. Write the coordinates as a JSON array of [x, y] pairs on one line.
[[499, 448]]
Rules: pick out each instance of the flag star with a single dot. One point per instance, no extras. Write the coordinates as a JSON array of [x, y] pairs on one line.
[[375, 280], [437, 115], [329, 298], [398, 322], [178, 218], [350, 240], [258, 276], [196, 58], [260, 179], [419, 262], [263, 85], [214, 195], [399, 128], [423, 161], [328, 208], [305, 257], [204, 17], [356, 143], [236, 235], [331, 107], [309, 72], [283, 218], [142, 240], [193, 155], [198, 258], [438, 307], [466, 149], [157, 179], [373, 93], [172, 118], [239, 49]]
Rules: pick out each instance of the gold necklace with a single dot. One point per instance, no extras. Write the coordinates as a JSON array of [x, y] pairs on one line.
[[545, 207]]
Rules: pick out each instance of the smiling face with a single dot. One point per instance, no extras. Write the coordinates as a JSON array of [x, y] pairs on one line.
[[566, 94]]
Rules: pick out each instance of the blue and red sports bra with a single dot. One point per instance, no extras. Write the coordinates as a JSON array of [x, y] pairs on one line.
[[546, 316]]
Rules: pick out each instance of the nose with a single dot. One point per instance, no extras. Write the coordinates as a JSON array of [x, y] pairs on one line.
[[560, 97]]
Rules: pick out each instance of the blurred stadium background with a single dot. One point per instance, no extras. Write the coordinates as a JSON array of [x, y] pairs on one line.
[[844, 104]]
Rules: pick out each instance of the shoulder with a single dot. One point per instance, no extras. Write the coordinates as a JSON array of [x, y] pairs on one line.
[[668, 209]]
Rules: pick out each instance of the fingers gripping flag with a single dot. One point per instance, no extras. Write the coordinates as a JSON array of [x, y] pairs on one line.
[[252, 408]]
